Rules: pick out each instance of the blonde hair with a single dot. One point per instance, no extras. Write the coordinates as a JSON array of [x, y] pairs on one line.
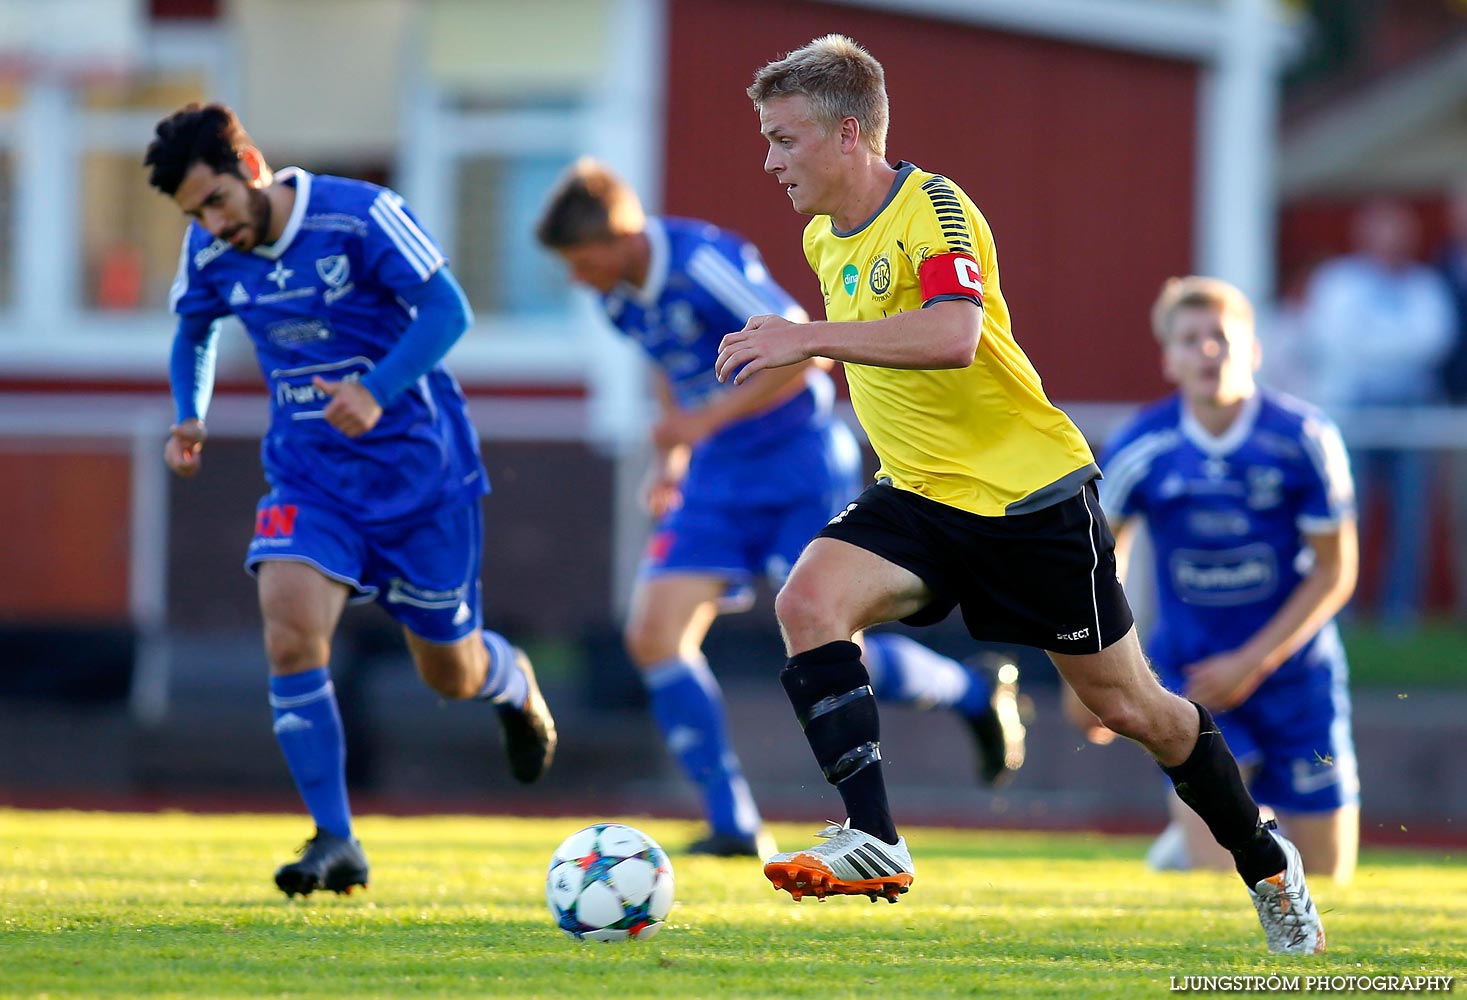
[[589, 204], [839, 78], [1196, 291]]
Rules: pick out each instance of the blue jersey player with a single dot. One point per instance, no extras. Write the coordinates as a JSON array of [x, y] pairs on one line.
[[373, 467], [1247, 498], [744, 478]]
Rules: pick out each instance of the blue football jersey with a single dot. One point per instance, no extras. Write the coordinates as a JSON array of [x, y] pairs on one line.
[[702, 283], [324, 300], [1227, 516]]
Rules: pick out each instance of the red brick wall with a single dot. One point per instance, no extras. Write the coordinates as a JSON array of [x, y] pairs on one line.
[[66, 535]]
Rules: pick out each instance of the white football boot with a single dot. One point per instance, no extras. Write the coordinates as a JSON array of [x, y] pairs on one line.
[[849, 863], [1289, 919]]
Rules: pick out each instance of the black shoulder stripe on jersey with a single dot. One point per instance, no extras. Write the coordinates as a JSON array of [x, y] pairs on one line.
[[950, 215]]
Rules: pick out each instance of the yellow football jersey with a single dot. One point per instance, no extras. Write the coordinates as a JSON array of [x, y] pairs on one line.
[[984, 439]]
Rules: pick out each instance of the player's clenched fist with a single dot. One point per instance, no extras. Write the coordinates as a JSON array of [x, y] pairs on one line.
[[353, 409], [185, 442], [764, 342]]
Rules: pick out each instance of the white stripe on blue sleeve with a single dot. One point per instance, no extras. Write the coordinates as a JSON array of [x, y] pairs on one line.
[[179, 288], [410, 241], [1127, 467], [727, 284], [419, 237], [1331, 461]]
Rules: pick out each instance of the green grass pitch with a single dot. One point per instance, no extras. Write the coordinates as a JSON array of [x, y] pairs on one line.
[[179, 905]]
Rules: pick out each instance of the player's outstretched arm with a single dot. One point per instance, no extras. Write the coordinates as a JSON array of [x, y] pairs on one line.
[[942, 335]]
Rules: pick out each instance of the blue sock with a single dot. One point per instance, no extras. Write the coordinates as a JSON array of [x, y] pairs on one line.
[[905, 671], [505, 682], [688, 706], [308, 728]]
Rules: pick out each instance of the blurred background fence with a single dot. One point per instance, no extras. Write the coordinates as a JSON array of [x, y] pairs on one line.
[[1111, 143]]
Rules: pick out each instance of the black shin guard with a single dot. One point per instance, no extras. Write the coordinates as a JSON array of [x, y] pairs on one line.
[[831, 694], [1209, 783]]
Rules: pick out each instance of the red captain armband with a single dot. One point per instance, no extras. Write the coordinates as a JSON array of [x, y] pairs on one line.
[[951, 274]]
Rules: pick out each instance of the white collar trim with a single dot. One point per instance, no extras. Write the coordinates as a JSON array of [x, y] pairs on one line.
[[297, 212], [1218, 445], [657, 264]]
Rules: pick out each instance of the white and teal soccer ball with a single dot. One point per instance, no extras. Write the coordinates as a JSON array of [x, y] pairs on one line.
[[609, 882]]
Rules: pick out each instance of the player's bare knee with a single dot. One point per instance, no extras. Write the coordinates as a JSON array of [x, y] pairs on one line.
[[806, 613], [291, 648], [649, 642]]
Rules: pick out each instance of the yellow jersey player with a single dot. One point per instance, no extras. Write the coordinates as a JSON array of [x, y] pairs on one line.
[[980, 437], [985, 500]]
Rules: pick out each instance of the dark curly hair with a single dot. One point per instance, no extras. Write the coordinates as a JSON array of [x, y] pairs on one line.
[[196, 133]]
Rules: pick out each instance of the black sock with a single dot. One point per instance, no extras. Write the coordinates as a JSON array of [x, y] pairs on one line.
[[831, 694], [1209, 783]]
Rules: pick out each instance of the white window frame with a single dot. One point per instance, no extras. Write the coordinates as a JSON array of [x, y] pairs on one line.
[[618, 119], [45, 330]]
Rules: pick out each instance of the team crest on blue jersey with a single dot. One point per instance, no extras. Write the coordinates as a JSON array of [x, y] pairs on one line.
[[880, 279], [334, 270], [1265, 487]]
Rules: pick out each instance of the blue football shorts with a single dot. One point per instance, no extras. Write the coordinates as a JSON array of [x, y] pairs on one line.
[[1293, 734], [424, 572], [737, 541]]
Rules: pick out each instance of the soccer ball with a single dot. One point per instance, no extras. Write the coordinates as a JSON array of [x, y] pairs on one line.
[[609, 882]]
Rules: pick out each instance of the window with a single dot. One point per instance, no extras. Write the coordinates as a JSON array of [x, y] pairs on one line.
[[129, 233], [503, 269]]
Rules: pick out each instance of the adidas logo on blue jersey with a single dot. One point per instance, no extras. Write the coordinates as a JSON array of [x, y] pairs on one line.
[[237, 295]]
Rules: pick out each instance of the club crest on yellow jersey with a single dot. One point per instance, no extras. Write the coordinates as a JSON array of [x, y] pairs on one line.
[[880, 279]]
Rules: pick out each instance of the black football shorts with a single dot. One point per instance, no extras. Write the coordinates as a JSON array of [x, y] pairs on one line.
[[1046, 578]]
